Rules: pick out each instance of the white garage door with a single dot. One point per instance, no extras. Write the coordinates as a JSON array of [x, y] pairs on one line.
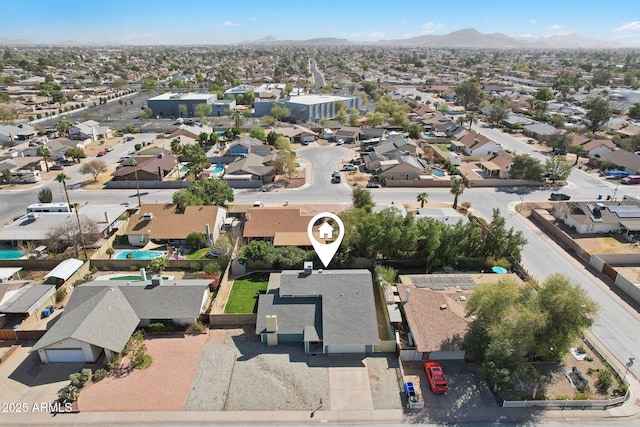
[[355, 348], [65, 355]]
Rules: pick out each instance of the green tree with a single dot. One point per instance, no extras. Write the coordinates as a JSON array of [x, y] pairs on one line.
[[498, 113], [354, 118], [198, 161], [285, 162], [544, 94], [362, 199], [500, 242], [560, 143], [280, 112], [257, 132], [63, 126], [375, 119], [158, 265], [598, 112], [204, 192], [75, 153], [568, 312], [469, 93], [272, 137], [146, 114], [149, 84], [196, 239], [203, 110], [422, 198], [94, 168], [526, 167], [634, 111], [176, 147], [44, 152], [457, 188], [45, 195], [414, 129], [282, 143], [6, 116], [558, 168]]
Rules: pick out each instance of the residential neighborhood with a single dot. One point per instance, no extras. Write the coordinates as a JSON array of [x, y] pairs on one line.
[[436, 229]]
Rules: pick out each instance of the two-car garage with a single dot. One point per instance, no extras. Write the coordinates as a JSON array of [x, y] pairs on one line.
[[64, 355]]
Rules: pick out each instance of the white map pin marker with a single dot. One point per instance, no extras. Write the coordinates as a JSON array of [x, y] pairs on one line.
[[326, 251]]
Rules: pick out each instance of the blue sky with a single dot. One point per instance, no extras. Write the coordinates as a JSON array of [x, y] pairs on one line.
[[145, 22]]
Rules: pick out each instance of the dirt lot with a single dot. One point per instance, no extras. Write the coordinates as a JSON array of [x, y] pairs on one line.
[[606, 245]]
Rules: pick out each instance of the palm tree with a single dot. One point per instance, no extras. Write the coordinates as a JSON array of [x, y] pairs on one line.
[[132, 162], [62, 177], [422, 198], [44, 152], [472, 119], [457, 188]]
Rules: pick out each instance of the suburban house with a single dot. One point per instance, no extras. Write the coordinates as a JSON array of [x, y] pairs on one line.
[[349, 134], [252, 167], [396, 144], [541, 132], [434, 307], [148, 168], [330, 311], [190, 131], [496, 164], [448, 216], [245, 145], [163, 224], [369, 132], [624, 160], [25, 306], [475, 144], [282, 226], [296, 133], [35, 227], [89, 129], [599, 217], [403, 168], [14, 135], [598, 147], [101, 316]]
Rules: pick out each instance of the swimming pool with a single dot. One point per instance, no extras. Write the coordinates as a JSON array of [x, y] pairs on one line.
[[437, 172], [137, 254], [213, 170], [11, 254]]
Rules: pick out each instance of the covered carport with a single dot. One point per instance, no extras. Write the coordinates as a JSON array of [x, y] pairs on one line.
[[63, 271], [631, 228]]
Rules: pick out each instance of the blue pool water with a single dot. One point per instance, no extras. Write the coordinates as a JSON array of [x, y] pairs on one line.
[[214, 170], [437, 172], [428, 135], [11, 254], [139, 254]]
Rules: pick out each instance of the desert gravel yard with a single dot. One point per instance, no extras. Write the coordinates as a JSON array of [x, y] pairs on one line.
[[163, 386]]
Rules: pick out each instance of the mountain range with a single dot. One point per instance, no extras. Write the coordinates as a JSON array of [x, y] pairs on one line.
[[466, 38]]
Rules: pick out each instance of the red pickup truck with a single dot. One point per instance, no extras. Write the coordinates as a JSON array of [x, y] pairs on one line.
[[435, 375]]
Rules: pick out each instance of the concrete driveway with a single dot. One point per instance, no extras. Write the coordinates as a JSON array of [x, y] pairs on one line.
[[349, 387], [24, 379]]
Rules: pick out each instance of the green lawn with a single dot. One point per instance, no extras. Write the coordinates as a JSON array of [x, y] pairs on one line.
[[443, 147], [243, 294], [198, 254]]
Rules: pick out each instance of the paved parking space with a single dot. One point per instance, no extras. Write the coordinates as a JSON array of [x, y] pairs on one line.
[[23, 379], [468, 397]]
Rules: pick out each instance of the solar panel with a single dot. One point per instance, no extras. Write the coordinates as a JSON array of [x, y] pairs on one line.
[[440, 282]]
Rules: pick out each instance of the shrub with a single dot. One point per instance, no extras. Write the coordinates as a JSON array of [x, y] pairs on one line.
[[86, 374], [69, 392], [167, 326], [623, 387], [194, 266], [142, 361], [582, 395], [76, 379], [605, 380], [113, 363], [100, 374], [60, 294], [212, 268], [196, 327]]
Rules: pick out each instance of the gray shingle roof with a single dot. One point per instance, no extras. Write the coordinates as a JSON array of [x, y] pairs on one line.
[[344, 298], [26, 299], [105, 313]]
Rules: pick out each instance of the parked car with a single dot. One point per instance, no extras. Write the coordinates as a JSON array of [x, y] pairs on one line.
[[102, 153], [335, 174], [57, 167], [373, 185], [435, 375], [350, 167], [357, 161], [130, 138], [340, 142], [559, 196], [108, 149], [335, 179], [67, 162]]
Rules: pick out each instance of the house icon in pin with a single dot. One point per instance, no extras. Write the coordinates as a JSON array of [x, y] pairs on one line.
[[326, 231]]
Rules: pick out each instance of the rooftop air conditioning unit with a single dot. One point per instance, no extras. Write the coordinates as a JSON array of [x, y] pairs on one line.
[[32, 216], [147, 216]]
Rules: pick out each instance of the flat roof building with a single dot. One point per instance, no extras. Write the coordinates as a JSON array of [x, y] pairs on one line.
[[169, 104], [310, 108]]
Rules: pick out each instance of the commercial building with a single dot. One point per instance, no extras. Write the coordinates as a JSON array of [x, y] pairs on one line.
[[309, 108], [179, 104]]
